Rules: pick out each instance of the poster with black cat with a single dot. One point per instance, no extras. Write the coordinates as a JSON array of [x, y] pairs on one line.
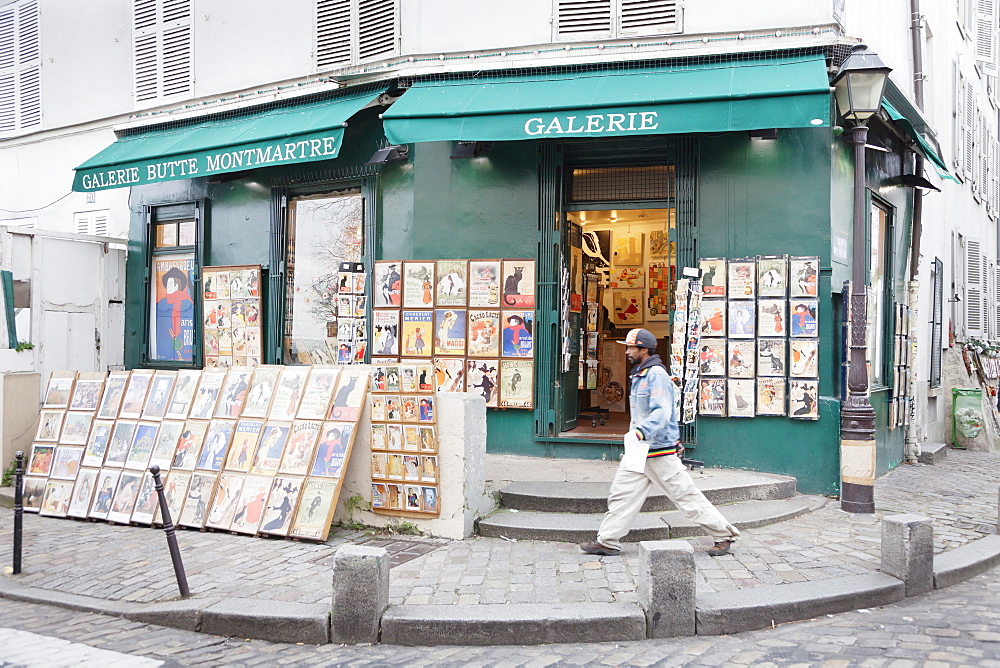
[[518, 283]]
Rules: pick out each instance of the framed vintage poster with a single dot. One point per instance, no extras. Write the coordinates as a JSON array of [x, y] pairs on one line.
[[40, 461], [217, 438], [742, 279], [244, 448], [627, 307], [387, 284], [318, 393], [233, 393], [712, 397], [349, 397], [288, 392], [224, 500], [59, 389], [713, 276], [385, 333], [142, 445], [87, 392], [449, 331], [121, 443], [111, 398], [451, 283], [770, 396], [189, 445], [517, 384], [417, 339], [803, 358], [483, 333], [335, 442], [125, 494], [803, 277], [481, 377], [484, 283], [627, 248], [317, 503], [712, 357], [262, 385], [280, 506], [146, 501], [183, 394], [33, 490], [135, 394], [76, 428], [172, 323], [175, 489], [741, 358], [741, 397], [97, 443], [771, 317], [771, 357], [49, 425], [273, 439], [250, 506], [803, 399], [518, 334], [158, 396], [83, 492], [55, 502], [302, 437], [199, 494], [518, 283], [772, 275], [804, 318], [166, 444], [418, 284], [713, 317], [449, 374], [104, 493], [741, 319]]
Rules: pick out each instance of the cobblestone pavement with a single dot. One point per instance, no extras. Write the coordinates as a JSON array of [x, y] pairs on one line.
[[123, 563], [958, 626]]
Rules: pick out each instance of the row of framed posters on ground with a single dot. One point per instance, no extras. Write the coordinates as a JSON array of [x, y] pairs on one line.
[[253, 451], [231, 308], [471, 322], [404, 467], [758, 353]]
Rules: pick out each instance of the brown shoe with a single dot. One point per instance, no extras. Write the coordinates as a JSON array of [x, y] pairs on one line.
[[598, 549], [720, 548]]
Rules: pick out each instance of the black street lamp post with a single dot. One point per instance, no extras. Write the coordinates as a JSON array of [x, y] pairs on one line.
[[858, 88]]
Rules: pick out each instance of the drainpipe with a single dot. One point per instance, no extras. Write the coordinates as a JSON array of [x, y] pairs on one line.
[[912, 447]]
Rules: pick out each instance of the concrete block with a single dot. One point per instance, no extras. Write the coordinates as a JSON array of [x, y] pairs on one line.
[[512, 624], [908, 551], [726, 612], [276, 621], [932, 453], [968, 561], [667, 587], [19, 406], [184, 614], [360, 593]]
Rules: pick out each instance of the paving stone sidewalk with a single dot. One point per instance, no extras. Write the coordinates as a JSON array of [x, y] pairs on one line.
[[132, 564]]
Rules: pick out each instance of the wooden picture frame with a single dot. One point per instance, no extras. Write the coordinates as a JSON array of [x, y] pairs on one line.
[[418, 284], [261, 392], [451, 283], [251, 504], [158, 398], [483, 333], [298, 455], [125, 496], [146, 501], [59, 390], [246, 437], [112, 395], [207, 395], [224, 500], [120, 443], [49, 425], [273, 439], [189, 445], [349, 398], [517, 383], [387, 284], [450, 326], [166, 444], [335, 442], [55, 502], [234, 393], [83, 492], [317, 504], [183, 394], [87, 392], [201, 489], [40, 460], [385, 332], [76, 428], [135, 394], [484, 283], [142, 445], [484, 375], [33, 491], [217, 439], [66, 462], [318, 393], [175, 489], [281, 505], [288, 393]]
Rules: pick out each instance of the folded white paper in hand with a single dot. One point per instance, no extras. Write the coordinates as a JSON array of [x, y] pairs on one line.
[[634, 458]]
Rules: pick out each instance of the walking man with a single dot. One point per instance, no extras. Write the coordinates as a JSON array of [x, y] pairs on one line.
[[654, 423]]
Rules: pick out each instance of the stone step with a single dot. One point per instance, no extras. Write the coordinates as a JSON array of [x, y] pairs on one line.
[[932, 453], [580, 527], [719, 485]]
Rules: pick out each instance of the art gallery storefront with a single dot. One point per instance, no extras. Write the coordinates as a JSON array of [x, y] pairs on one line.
[[627, 174]]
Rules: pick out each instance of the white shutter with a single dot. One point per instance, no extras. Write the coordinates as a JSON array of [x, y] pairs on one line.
[[958, 118], [177, 61], [376, 28], [969, 126], [989, 307], [8, 115], [986, 30], [958, 284], [974, 288], [91, 222], [20, 67], [996, 302], [162, 48], [579, 19], [333, 32], [101, 224], [649, 17]]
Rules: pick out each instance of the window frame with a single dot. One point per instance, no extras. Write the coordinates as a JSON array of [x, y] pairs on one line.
[[151, 216], [881, 301]]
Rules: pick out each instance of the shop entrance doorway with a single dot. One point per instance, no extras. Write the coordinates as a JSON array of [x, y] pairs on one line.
[[621, 266]]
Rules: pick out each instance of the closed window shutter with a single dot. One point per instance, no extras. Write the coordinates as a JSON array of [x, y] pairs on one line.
[[376, 28], [649, 17], [82, 223], [162, 49], [986, 30], [989, 307], [958, 118], [20, 67], [996, 301], [969, 107], [577, 19], [333, 32], [974, 288], [101, 224]]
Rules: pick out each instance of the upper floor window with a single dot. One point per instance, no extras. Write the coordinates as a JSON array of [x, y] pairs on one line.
[[20, 67], [595, 19], [162, 49], [353, 31]]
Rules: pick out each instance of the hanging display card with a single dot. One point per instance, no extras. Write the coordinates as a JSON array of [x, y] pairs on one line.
[[518, 284], [803, 401], [770, 396], [418, 284], [713, 317], [713, 276], [803, 277], [516, 383], [741, 398], [712, 397], [771, 317], [484, 283], [385, 333], [741, 319], [771, 357], [741, 359], [772, 275], [803, 318], [742, 279], [803, 358], [452, 283]]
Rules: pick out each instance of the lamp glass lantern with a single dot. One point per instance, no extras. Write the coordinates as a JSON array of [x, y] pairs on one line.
[[859, 84]]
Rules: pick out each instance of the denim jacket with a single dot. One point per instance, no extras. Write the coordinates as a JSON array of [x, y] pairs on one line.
[[652, 403]]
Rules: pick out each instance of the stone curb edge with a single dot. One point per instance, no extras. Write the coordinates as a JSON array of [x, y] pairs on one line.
[[716, 613]]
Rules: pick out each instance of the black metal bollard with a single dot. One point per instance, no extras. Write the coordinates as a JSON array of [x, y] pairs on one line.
[[18, 509], [168, 528]]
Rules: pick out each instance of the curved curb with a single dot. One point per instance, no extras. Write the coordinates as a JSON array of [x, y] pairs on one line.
[[526, 624]]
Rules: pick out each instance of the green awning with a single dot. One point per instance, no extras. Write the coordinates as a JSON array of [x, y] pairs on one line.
[[908, 127], [277, 136], [787, 92]]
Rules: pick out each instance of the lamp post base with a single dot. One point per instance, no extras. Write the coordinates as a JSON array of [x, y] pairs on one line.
[[856, 498]]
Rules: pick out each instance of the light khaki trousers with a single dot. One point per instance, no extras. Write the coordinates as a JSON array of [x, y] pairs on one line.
[[629, 490]]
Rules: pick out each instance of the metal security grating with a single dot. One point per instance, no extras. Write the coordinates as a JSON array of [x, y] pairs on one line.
[[625, 184]]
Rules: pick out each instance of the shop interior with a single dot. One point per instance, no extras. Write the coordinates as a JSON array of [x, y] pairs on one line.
[[622, 274]]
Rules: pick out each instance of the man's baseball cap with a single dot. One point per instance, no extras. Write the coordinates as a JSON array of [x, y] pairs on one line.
[[642, 338]]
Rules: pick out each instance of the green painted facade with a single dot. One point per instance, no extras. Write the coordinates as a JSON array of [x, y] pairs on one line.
[[791, 195]]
